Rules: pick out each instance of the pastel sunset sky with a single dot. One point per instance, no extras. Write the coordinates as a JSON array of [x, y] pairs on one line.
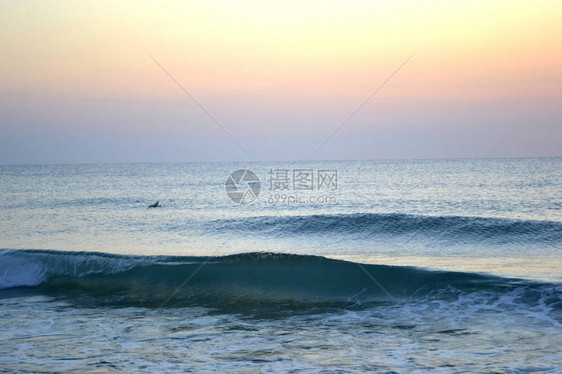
[[77, 83]]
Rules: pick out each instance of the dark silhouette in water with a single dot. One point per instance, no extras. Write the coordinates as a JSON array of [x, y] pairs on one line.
[[155, 205]]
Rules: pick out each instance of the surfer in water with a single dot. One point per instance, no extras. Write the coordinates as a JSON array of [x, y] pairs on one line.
[[155, 205]]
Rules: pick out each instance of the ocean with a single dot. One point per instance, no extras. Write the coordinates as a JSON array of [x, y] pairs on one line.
[[320, 266]]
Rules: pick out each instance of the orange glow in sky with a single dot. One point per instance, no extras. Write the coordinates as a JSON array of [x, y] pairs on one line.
[[275, 57]]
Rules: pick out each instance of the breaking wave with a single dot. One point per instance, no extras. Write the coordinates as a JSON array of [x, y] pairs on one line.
[[251, 281]]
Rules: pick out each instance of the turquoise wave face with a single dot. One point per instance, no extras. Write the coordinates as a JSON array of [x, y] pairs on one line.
[[250, 282]]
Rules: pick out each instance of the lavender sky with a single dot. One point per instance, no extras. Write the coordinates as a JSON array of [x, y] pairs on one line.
[[77, 84]]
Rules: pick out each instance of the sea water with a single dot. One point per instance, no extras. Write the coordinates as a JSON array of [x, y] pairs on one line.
[[404, 266]]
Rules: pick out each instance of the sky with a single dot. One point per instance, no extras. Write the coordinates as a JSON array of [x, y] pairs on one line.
[[78, 83]]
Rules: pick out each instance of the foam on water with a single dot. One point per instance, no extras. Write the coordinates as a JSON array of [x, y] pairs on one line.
[[450, 265]]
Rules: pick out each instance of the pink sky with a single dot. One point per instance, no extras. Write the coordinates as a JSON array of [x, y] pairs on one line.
[[485, 79]]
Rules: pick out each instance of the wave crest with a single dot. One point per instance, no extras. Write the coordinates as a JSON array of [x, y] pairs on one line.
[[455, 228], [248, 280]]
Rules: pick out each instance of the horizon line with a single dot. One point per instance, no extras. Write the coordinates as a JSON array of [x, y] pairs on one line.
[[277, 161]]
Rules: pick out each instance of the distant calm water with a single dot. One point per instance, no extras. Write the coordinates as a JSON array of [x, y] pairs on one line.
[[462, 266]]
